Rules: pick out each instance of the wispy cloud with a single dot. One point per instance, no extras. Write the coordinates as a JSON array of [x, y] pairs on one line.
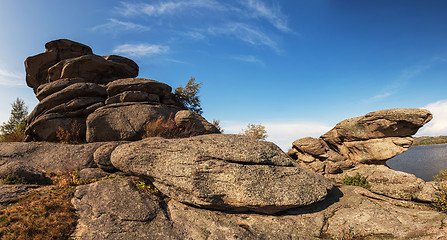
[[405, 76], [249, 59], [114, 25], [139, 50], [437, 126], [245, 33], [272, 14], [165, 7], [8, 78], [246, 20], [282, 133]]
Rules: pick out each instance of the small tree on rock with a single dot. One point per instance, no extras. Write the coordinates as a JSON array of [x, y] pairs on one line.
[[14, 129], [256, 132], [188, 97]]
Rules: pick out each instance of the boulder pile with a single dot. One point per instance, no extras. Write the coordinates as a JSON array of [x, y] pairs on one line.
[[210, 185], [96, 98], [370, 139], [362, 145]]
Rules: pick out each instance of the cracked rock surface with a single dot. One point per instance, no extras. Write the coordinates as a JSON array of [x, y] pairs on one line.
[[116, 209], [224, 172]]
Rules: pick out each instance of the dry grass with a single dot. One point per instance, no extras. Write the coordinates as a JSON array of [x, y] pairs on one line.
[[72, 135], [44, 213], [167, 128]]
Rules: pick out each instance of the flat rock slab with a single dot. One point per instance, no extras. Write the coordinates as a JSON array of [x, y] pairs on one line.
[[225, 172], [116, 209], [9, 193], [348, 211], [48, 157], [386, 181]]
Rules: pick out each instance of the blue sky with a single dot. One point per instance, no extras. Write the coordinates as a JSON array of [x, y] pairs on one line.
[[298, 67]]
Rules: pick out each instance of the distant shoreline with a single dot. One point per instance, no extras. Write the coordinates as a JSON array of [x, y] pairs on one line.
[[422, 141]]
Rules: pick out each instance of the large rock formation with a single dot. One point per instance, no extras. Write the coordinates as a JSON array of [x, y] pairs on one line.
[[370, 139], [225, 172], [94, 98], [211, 186], [361, 145]]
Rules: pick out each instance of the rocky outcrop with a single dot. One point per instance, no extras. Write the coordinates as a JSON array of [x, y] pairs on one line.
[[225, 172], [121, 212], [211, 186], [361, 145], [46, 157], [370, 139], [90, 98]]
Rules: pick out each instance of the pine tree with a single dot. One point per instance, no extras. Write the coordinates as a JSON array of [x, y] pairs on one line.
[[14, 129]]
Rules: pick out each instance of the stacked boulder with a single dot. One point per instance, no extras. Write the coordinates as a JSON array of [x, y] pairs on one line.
[[96, 98], [362, 145], [370, 139]]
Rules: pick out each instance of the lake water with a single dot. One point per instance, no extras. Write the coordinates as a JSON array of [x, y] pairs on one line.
[[422, 161]]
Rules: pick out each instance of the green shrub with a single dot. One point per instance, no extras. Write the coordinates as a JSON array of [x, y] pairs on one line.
[[187, 96], [441, 194], [357, 180], [14, 179], [256, 132]]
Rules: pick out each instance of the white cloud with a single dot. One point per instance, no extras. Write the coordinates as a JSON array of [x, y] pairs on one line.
[[114, 25], [282, 133], [249, 59], [138, 50], [273, 15], [438, 125], [245, 20], [166, 7], [8, 78], [245, 33]]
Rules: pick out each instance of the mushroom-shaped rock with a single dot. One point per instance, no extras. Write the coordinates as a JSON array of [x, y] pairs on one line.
[[225, 172], [371, 139]]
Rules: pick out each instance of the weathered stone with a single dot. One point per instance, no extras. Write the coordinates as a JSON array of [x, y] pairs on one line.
[[46, 89], [116, 209], [375, 150], [9, 193], [127, 63], [47, 126], [21, 171], [48, 157], [227, 172], [400, 122], [125, 121], [75, 90], [429, 191], [132, 96], [102, 156], [192, 121], [386, 181], [312, 146], [92, 68], [88, 174], [374, 217], [370, 139], [199, 223], [348, 212], [37, 66], [139, 84]]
